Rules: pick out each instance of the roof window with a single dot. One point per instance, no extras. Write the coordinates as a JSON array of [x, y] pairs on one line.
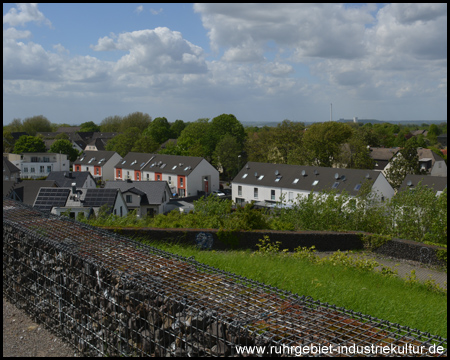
[[315, 182], [295, 181], [335, 185], [244, 176], [260, 177]]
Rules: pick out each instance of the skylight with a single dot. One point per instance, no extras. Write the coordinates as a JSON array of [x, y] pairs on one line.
[[315, 182], [357, 187], [260, 177], [295, 181], [174, 167], [335, 185], [124, 162], [278, 178], [244, 176]]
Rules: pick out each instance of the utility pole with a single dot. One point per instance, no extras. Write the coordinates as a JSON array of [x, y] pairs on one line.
[[331, 112]]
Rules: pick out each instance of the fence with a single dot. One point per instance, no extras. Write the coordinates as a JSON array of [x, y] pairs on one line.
[[109, 295]]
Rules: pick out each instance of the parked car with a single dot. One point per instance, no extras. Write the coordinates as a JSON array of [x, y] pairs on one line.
[[218, 193], [226, 191]]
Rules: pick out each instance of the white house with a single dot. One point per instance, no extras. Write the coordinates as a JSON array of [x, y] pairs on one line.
[[266, 183], [99, 163], [36, 165], [186, 175], [148, 198]]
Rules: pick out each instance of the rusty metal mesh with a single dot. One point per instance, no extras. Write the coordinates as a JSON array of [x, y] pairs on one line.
[[110, 295]]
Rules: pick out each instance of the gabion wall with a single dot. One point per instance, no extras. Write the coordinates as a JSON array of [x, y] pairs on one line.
[[109, 295]]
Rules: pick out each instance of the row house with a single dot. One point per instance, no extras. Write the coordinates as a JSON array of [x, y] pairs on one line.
[[37, 165], [99, 163], [265, 184], [186, 175]]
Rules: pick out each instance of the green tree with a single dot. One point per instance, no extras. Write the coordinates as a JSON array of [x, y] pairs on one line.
[[135, 120], [260, 145], [64, 147], [176, 128], [111, 124], [15, 125], [27, 143], [35, 124], [124, 142], [219, 127], [226, 155], [355, 154], [89, 126], [158, 130], [145, 144], [8, 141], [322, 142], [193, 138]]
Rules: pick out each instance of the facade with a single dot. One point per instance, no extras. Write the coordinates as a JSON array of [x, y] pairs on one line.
[[186, 175], [99, 163], [265, 184], [148, 198], [36, 165]]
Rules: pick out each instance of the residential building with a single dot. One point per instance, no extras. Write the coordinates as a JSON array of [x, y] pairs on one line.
[[382, 156], [82, 179], [265, 184], [74, 201], [186, 175], [99, 163], [26, 191], [10, 171], [437, 183], [37, 165], [148, 198]]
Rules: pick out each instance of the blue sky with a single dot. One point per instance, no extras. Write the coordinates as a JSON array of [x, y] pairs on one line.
[[261, 62]]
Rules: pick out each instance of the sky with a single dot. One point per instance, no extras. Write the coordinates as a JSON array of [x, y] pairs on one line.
[[75, 63]]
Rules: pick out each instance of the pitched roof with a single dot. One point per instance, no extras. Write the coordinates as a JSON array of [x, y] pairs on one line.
[[304, 178], [98, 197], [94, 158], [438, 183], [153, 190], [383, 153], [134, 160], [27, 190], [51, 197], [66, 178], [9, 167]]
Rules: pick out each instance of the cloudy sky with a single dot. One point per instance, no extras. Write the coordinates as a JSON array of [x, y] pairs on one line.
[[261, 62]]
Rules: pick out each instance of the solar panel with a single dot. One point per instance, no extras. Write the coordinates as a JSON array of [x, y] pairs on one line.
[[51, 197], [99, 197]]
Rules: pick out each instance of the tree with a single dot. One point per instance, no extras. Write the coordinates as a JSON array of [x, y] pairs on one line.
[[15, 125], [158, 130], [35, 124], [145, 144], [288, 139], [123, 143], [322, 142], [355, 154], [226, 155], [176, 128], [405, 162], [64, 146], [27, 143], [219, 127], [135, 120], [111, 124], [89, 126], [260, 145], [193, 138]]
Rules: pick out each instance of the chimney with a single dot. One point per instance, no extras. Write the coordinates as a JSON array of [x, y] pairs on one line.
[[74, 188]]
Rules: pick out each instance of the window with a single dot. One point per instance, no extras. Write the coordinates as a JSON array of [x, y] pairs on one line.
[[46, 159], [137, 176], [357, 187], [87, 168], [118, 173], [272, 194], [97, 171], [244, 176], [170, 180], [174, 167], [181, 182], [295, 181], [335, 185], [158, 177], [278, 178], [315, 182], [25, 169], [148, 177], [49, 169], [260, 177], [32, 169], [255, 193], [239, 190], [128, 198], [291, 196], [41, 169]]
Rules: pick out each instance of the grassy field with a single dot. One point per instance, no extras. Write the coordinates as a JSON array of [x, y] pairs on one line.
[[390, 298]]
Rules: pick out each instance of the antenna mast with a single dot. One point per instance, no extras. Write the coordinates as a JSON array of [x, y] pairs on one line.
[[331, 112]]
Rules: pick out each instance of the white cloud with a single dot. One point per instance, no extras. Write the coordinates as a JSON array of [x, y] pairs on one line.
[[155, 51], [24, 14], [12, 33], [156, 12], [139, 9]]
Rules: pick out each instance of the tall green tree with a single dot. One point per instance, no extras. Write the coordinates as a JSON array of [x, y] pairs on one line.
[[145, 144], [222, 125], [322, 142], [176, 128], [124, 142], [35, 124], [193, 138], [64, 147], [158, 130], [89, 126], [111, 124], [15, 125], [27, 143], [226, 155], [135, 120]]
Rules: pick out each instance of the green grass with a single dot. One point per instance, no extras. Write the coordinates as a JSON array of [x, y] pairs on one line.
[[388, 298]]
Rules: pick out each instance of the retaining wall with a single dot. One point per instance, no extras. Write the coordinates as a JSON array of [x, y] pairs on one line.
[[112, 296]]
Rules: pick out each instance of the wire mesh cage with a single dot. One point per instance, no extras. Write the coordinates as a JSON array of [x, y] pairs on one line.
[[110, 295]]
